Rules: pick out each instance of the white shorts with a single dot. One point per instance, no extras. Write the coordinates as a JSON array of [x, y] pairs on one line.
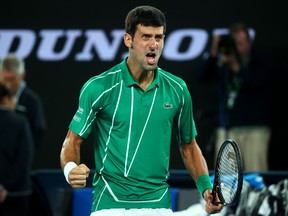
[[133, 212]]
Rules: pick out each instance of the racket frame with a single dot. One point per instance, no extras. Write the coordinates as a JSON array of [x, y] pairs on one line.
[[216, 185]]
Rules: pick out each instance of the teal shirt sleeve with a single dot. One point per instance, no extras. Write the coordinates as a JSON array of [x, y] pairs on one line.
[[185, 124], [83, 120]]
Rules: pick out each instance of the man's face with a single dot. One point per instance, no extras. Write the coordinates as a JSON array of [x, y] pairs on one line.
[[243, 43], [146, 46], [11, 79]]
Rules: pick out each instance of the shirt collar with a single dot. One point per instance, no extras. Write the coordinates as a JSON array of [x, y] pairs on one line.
[[128, 79]]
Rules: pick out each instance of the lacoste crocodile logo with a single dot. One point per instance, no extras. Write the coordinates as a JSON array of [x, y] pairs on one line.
[[167, 105]]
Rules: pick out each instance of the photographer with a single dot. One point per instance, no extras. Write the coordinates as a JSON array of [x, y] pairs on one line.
[[244, 91]]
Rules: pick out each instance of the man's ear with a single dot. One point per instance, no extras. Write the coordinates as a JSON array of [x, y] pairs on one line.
[[128, 40]]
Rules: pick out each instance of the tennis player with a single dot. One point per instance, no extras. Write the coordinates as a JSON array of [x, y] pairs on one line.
[[132, 109]]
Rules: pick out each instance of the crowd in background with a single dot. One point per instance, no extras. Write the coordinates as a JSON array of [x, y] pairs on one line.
[[22, 130]]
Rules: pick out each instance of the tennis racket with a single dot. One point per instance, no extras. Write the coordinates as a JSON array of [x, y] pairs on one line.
[[228, 179]]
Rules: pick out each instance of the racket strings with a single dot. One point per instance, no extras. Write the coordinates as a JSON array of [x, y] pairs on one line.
[[228, 174]]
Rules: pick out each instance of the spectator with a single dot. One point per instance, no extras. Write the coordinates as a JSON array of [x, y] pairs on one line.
[[12, 73], [16, 155], [244, 77]]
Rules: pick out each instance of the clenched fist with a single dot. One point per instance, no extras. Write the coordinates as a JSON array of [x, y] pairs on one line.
[[78, 176]]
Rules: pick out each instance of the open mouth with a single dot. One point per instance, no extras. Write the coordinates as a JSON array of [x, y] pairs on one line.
[[151, 58]]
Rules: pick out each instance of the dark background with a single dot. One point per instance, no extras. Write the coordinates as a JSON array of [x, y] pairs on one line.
[[58, 82]]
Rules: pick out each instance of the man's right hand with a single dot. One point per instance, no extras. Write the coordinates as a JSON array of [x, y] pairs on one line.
[[78, 176]]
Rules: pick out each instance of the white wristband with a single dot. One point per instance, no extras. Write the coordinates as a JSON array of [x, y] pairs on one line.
[[68, 167]]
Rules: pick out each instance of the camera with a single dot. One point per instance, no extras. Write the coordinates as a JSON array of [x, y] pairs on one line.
[[226, 45]]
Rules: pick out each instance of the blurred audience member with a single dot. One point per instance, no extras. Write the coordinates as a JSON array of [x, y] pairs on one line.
[[28, 102], [16, 156], [244, 77]]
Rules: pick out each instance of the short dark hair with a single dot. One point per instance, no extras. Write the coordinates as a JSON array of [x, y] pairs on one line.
[[145, 15]]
